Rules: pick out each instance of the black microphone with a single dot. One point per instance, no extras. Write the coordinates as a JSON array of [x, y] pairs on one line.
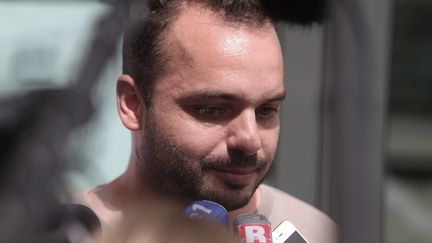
[[83, 216], [253, 228], [300, 12]]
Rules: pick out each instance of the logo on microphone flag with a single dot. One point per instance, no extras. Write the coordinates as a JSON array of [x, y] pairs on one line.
[[255, 233]]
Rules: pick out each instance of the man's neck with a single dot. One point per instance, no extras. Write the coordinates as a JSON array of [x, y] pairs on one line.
[[130, 189], [251, 207]]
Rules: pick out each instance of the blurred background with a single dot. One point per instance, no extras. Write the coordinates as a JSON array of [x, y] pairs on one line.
[[42, 43]]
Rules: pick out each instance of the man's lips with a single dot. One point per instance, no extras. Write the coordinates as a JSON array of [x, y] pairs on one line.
[[236, 170], [237, 176]]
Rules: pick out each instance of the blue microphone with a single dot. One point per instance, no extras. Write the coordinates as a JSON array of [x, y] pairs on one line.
[[208, 210]]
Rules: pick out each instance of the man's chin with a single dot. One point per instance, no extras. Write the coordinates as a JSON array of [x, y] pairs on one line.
[[233, 203], [233, 196], [237, 187]]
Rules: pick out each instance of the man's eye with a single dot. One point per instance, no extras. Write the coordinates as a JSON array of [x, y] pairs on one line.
[[209, 111], [267, 111]]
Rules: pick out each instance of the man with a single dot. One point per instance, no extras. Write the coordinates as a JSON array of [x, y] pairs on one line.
[[201, 93]]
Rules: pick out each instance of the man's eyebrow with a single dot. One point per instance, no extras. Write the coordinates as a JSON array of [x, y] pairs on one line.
[[213, 95], [278, 97], [230, 97]]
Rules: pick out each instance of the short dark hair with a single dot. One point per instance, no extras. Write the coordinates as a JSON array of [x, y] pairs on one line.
[[144, 56]]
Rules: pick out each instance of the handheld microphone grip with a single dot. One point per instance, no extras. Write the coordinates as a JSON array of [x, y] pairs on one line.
[[253, 228]]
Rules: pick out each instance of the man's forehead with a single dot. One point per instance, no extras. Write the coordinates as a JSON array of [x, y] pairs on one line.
[[206, 53], [199, 30], [234, 44]]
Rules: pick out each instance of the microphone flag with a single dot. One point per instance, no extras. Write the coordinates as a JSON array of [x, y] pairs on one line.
[[254, 228], [209, 210]]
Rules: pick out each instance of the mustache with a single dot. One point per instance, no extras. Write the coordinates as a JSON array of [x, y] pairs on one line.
[[234, 160]]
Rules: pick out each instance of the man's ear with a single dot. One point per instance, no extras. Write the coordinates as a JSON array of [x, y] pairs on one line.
[[129, 102]]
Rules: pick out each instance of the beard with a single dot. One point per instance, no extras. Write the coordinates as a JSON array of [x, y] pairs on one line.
[[172, 171]]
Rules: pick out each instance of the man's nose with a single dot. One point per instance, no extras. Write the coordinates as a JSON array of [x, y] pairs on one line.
[[244, 133]]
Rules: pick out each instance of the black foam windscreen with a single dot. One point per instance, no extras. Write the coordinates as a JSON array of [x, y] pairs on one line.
[[83, 215], [301, 12]]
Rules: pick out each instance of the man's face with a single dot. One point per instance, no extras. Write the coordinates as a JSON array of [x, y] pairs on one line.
[[212, 130]]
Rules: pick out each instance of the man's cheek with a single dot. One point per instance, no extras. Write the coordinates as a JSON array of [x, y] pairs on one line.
[[203, 137], [270, 141]]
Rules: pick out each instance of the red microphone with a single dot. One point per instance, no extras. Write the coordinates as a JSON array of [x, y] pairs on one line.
[[253, 228]]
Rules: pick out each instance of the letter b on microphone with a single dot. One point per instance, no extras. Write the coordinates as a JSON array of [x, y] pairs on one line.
[[255, 233]]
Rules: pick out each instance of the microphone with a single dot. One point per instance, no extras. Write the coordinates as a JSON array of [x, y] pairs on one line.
[[82, 215], [304, 12], [208, 210], [253, 228]]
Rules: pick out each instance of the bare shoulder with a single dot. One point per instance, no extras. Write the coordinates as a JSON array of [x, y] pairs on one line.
[[311, 222]]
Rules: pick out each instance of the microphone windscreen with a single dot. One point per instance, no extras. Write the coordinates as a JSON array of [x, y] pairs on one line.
[[301, 12], [208, 210], [83, 215]]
